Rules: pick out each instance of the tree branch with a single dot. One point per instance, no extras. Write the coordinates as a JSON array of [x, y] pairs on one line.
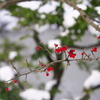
[[11, 2], [43, 69], [82, 13], [87, 47]]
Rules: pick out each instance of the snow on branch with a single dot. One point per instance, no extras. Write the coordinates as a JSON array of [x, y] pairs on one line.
[[82, 13]]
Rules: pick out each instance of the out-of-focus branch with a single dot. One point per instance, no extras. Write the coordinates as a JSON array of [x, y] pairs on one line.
[[87, 47], [82, 13], [11, 2]]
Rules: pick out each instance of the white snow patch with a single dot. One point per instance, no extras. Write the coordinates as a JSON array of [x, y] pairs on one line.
[[43, 16], [93, 30], [93, 80], [50, 84], [34, 94], [41, 29], [49, 7], [80, 96], [82, 6], [33, 5], [52, 42], [64, 33], [98, 9], [69, 15], [6, 73], [12, 55], [5, 17]]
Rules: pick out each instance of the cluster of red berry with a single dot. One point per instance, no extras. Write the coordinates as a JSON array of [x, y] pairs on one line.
[[48, 69], [7, 89], [71, 53], [94, 49]]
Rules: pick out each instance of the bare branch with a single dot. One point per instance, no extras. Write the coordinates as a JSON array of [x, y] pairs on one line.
[[28, 65], [82, 47], [43, 69], [15, 68], [82, 13], [11, 2]]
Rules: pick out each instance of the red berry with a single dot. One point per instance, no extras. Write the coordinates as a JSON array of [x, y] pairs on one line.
[[38, 48], [58, 50], [98, 37], [64, 48], [56, 45], [82, 53], [6, 89], [49, 69], [15, 81], [72, 50], [47, 74], [42, 65]]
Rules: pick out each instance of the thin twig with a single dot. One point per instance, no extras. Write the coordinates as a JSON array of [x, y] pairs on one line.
[[14, 68], [28, 65], [48, 51], [42, 69]]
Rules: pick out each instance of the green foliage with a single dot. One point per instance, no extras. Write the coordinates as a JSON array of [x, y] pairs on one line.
[[42, 86], [67, 40], [78, 29], [8, 46], [91, 12], [29, 17], [39, 54], [12, 94], [24, 37], [54, 91], [95, 2]]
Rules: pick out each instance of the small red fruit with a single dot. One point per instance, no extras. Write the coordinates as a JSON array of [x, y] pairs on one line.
[[42, 65], [98, 37], [82, 53], [72, 50], [56, 45], [72, 55], [49, 69], [15, 81], [6, 89], [38, 48], [58, 50], [47, 74], [64, 48]]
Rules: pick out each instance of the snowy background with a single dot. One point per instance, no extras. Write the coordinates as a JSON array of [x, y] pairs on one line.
[[74, 79]]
